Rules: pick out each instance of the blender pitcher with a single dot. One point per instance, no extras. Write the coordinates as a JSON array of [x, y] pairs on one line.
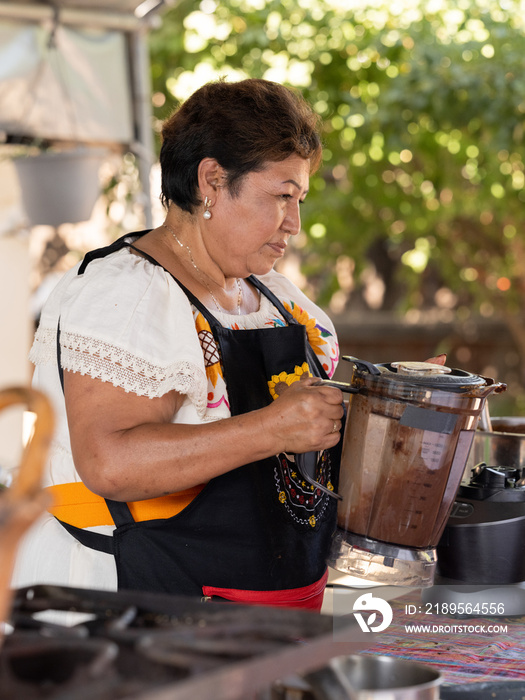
[[408, 434]]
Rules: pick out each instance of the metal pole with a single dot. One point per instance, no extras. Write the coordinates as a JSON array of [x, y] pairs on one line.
[[144, 145]]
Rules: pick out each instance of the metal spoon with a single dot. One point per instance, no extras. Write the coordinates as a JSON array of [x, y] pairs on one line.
[[331, 683]]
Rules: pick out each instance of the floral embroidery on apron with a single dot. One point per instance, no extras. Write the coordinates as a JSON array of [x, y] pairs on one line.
[[303, 502], [286, 379]]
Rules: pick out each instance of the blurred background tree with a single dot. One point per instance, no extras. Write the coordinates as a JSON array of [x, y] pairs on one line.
[[419, 206]]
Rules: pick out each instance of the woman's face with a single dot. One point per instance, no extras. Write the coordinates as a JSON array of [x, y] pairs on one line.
[[250, 231]]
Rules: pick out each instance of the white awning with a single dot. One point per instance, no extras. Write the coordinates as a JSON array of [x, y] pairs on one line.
[[65, 83]]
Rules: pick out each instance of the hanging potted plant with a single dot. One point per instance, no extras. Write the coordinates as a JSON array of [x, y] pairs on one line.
[[60, 186]]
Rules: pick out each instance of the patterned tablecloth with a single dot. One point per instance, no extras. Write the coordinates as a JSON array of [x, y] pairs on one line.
[[481, 650]]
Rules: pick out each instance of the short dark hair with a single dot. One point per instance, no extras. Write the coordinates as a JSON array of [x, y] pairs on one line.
[[243, 125]]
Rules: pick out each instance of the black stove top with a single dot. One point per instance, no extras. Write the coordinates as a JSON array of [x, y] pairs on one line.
[[146, 646]]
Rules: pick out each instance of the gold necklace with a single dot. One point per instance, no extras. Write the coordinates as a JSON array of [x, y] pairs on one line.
[[201, 274]]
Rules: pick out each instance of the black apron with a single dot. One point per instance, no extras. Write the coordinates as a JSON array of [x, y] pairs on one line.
[[259, 527]]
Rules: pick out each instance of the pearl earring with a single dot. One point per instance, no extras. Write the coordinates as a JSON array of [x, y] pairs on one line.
[[207, 212]]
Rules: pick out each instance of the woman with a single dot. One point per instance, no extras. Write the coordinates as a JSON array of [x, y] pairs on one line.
[[188, 377]]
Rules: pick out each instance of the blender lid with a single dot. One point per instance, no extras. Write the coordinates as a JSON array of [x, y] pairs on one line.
[[424, 374]]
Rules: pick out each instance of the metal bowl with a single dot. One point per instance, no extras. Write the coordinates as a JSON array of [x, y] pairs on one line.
[[367, 677], [503, 447]]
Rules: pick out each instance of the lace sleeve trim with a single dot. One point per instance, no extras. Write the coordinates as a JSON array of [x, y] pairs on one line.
[[110, 363]]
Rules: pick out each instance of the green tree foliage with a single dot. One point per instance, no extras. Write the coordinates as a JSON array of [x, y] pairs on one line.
[[420, 201]]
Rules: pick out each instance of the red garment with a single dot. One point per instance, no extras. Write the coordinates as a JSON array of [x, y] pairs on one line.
[[307, 597]]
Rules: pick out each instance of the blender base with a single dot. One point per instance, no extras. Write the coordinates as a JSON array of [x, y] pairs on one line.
[[381, 562]]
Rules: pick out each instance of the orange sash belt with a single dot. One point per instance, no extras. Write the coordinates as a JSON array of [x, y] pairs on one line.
[[75, 504]]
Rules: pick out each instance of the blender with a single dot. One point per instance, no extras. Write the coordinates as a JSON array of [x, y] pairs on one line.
[[407, 438]]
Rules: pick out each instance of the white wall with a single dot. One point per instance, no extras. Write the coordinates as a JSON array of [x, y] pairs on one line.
[[15, 337]]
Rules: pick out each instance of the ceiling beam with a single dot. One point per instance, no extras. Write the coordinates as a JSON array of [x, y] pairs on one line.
[[68, 15]]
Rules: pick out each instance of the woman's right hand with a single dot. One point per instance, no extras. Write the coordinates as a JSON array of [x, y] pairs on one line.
[[306, 416]]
